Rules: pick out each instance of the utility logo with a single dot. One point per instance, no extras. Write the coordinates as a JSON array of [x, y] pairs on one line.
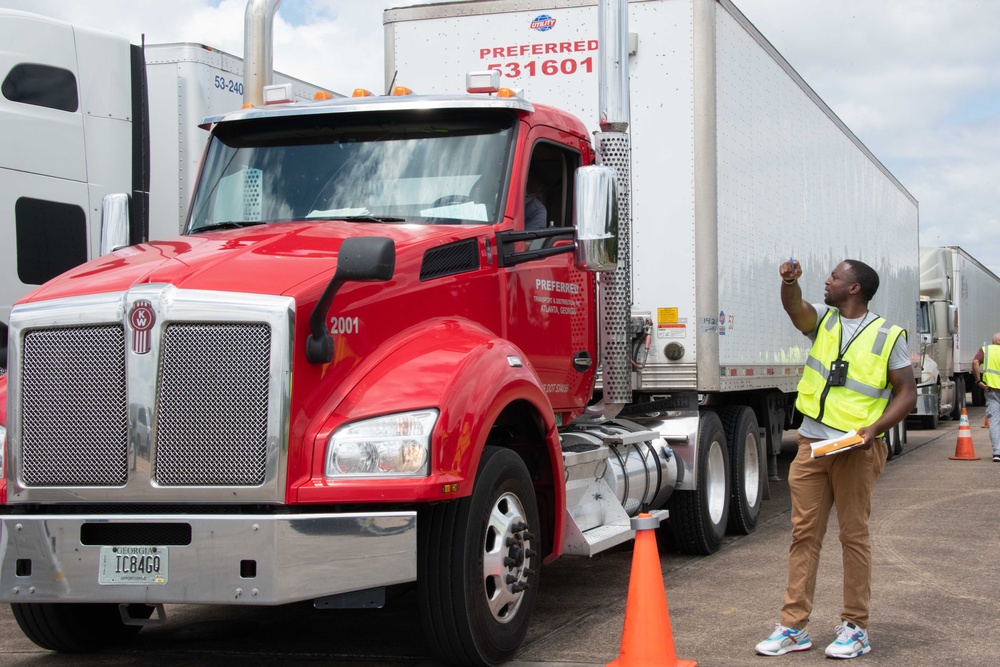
[[543, 22], [141, 318]]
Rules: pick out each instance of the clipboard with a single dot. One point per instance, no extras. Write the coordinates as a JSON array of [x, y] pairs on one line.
[[845, 442]]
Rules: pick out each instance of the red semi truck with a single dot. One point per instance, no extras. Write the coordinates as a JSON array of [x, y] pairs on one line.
[[358, 370]]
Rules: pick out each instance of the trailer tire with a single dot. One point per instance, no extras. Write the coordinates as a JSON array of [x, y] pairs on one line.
[[746, 472], [978, 396], [76, 628], [698, 518], [467, 550], [956, 411]]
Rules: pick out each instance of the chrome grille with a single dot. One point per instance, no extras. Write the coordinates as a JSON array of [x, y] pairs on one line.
[[74, 423], [212, 407]]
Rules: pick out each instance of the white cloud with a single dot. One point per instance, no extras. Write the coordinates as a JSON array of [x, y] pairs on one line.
[[919, 82]]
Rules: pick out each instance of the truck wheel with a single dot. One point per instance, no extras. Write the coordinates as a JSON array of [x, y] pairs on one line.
[[76, 628], [956, 411], [698, 518], [978, 396], [478, 565], [746, 470]]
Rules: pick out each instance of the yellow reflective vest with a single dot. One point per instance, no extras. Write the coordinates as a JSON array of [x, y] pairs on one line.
[[991, 366], [866, 392]]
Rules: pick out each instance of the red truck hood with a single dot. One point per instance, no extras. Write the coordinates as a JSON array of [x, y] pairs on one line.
[[269, 259]]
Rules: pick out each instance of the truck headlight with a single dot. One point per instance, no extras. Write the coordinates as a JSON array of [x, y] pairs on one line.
[[396, 445]]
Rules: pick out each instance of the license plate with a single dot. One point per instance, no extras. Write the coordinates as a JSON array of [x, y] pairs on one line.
[[133, 565]]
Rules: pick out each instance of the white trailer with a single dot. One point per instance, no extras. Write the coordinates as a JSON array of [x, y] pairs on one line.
[[958, 316], [736, 165], [75, 125]]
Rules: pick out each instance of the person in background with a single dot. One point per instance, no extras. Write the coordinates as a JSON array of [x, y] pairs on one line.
[[857, 362], [986, 368], [534, 210]]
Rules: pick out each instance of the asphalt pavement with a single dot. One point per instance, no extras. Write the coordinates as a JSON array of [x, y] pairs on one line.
[[936, 539]]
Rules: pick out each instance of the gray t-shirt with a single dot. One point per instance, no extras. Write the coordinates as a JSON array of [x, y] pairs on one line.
[[898, 358]]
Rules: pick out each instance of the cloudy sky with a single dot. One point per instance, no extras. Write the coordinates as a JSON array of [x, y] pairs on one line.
[[917, 80]]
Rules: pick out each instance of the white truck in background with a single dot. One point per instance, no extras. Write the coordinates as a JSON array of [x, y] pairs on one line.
[[957, 316], [84, 114]]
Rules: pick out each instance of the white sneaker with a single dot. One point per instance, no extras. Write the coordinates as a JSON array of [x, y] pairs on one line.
[[784, 640], [851, 642]]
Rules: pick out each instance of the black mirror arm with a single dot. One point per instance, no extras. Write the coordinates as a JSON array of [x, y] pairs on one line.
[[361, 259], [319, 345]]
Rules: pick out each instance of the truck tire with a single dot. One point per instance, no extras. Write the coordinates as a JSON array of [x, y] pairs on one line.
[[76, 628], [698, 518], [956, 411], [478, 565], [746, 472], [978, 396]]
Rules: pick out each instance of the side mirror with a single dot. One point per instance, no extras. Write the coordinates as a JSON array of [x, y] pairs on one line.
[[366, 259], [114, 222], [595, 215], [952, 319]]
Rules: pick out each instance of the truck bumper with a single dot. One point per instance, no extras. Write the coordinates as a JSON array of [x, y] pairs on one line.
[[206, 559]]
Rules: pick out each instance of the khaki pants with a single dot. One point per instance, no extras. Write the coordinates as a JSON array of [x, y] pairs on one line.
[[845, 480]]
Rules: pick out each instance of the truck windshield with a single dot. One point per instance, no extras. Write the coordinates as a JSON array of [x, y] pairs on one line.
[[429, 167]]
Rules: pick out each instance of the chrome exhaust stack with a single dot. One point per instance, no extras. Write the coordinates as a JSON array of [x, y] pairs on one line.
[[258, 49]]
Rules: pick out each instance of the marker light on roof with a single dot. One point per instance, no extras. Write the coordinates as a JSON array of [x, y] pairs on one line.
[[485, 81], [401, 90], [322, 95], [280, 93], [361, 92], [506, 92]]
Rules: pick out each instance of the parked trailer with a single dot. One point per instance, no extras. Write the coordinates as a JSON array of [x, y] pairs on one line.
[[359, 369], [957, 315], [735, 166]]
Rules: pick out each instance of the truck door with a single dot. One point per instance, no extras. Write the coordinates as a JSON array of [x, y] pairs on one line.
[[550, 304]]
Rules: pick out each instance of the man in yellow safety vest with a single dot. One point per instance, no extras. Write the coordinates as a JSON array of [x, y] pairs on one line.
[[857, 363], [987, 375]]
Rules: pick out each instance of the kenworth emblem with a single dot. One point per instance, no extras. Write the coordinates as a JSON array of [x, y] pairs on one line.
[[141, 317]]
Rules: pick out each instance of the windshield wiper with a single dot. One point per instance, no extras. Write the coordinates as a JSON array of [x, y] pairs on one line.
[[229, 224], [367, 218]]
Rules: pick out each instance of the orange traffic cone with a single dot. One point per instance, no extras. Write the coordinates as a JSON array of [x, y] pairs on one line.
[[647, 640], [964, 450], [987, 423]]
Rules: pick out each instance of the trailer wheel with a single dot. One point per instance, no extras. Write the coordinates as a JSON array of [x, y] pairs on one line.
[[478, 565], [698, 518], [746, 468], [76, 628], [956, 410], [978, 396]]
